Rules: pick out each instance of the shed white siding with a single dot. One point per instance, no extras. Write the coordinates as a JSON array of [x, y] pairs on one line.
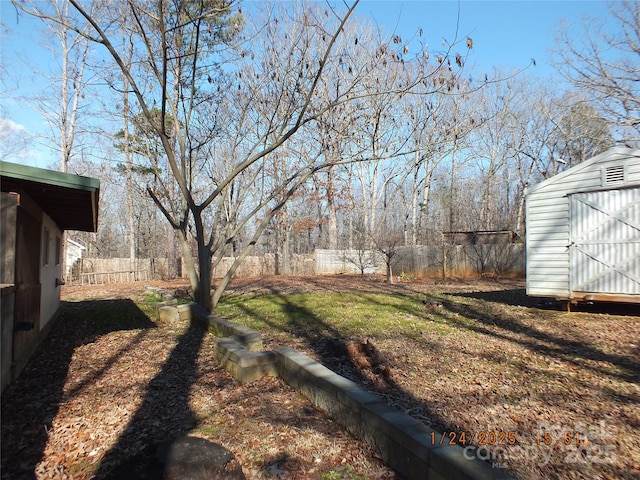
[[574, 245], [50, 271]]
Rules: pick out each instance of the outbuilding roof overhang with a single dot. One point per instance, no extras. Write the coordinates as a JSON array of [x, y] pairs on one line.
[[70, 200]]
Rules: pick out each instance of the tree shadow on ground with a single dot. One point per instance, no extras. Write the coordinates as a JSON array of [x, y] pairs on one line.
[[518, 298], [30, 404], [515, 297], [330, 346], [283, 285], [572, 350], [165, 406], [336, 351]]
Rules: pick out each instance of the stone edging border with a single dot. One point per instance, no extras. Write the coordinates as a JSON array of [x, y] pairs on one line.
[[405, 444]]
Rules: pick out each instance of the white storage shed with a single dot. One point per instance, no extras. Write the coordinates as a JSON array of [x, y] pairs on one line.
[[583, 231]]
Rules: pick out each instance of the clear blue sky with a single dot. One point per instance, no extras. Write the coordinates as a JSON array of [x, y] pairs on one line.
[[506, 34]]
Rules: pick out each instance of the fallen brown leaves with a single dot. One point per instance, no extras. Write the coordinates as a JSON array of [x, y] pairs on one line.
[[489, 365], [566, 387], [89, 400]]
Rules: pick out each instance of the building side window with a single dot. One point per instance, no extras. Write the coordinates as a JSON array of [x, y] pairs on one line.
[[45, 247], [58, 250]]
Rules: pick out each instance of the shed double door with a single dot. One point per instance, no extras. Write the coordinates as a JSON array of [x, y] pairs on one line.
[[605, 242]]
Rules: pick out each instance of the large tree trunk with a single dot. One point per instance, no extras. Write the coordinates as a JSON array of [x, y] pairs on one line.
[[203, 296], [332, 212], [199, 279]]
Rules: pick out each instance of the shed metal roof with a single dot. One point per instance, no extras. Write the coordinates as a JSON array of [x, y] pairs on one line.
[[70, 200]]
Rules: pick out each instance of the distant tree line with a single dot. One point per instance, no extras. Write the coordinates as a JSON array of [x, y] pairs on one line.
[[218, 131]]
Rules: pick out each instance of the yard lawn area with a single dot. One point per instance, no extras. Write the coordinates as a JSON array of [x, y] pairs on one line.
[[479, 361], [545, 393]]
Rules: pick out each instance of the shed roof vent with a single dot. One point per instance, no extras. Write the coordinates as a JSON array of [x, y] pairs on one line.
[[613, 175]]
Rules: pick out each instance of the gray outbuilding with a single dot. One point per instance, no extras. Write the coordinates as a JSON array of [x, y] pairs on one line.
[[583, 231]]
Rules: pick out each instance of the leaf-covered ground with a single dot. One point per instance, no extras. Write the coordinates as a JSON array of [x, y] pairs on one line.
[[109, 381], [545, 393]]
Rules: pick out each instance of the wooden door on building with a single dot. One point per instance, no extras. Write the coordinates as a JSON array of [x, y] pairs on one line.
[[27, 286], [605, 242]]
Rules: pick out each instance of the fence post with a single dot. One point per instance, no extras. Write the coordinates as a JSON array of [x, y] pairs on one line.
[[444, 262]]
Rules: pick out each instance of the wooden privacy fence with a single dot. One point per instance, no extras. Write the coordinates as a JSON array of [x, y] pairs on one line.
[[417, 261], [106, 278], [332, 262], [429, 261], [263, 265], [506, 259], [102, 271]]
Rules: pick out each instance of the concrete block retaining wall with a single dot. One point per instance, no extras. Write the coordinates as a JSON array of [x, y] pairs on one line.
[[404, 443]]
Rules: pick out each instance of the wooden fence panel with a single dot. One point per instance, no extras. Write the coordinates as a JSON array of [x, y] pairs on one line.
[[416, 261]]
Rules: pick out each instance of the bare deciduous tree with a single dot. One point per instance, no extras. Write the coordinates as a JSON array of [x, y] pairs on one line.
[[178, 52], [604, 65], [71, 50]]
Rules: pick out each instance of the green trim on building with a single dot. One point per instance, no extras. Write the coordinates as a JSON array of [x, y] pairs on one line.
[[70, 200], [48, 177]]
